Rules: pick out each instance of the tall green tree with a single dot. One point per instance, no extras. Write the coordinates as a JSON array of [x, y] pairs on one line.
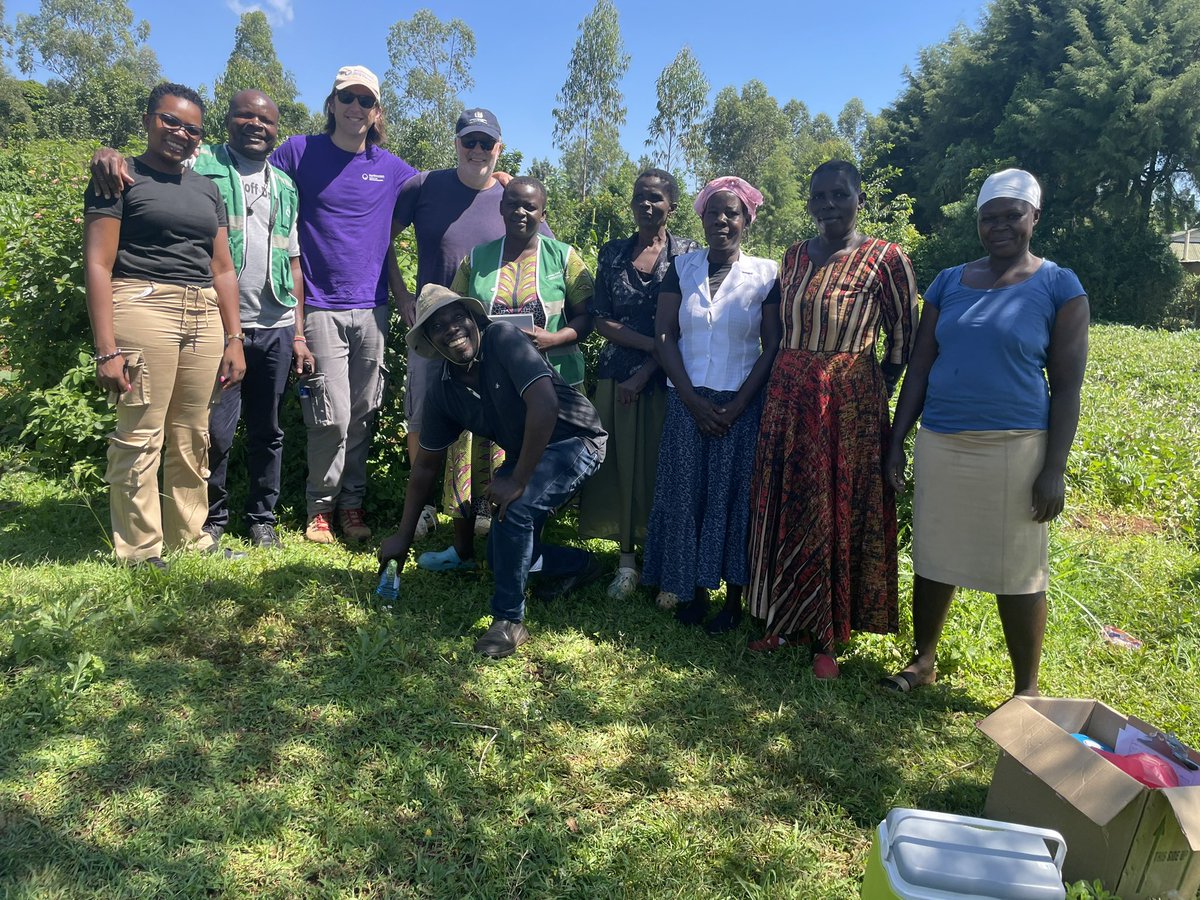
[[252, 64], [102, 67], [430, 70], [1096, 98], [590, 106], [71, 39], [5, 38], [743, 132], [682, 98]]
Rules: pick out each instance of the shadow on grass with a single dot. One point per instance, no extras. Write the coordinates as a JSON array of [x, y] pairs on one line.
[[62, 529], [263, 730]]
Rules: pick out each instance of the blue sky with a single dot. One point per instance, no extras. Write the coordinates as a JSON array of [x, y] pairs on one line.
[[521, 64]]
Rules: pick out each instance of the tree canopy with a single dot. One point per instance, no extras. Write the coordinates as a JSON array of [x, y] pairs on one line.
[[1097, 99], [253, 65], [422, 91], [682, 99]]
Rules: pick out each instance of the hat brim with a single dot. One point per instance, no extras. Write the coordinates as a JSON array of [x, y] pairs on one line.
[[416, 339], [493, 133]]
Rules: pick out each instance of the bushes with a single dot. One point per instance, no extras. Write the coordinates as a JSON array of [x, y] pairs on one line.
[[51, 405]]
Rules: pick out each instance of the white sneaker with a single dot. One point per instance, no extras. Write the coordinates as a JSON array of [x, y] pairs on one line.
[[667, 600], [483, 524], [624, 583], [426, 522]]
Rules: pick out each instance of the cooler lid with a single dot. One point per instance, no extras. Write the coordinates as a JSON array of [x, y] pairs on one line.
[[967, 857]]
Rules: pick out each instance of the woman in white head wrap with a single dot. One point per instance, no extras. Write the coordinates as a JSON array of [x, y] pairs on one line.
[[995, 377]]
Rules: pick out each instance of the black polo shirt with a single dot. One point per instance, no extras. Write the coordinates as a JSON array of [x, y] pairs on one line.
[[509, 364]]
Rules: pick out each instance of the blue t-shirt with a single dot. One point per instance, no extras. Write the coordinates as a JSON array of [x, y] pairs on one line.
[[347, 201], [990, 371]]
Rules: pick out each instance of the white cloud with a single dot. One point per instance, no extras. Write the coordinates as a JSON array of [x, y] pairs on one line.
[[277, 11]]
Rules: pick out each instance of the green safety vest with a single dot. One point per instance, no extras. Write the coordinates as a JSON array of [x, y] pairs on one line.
[[216, 164], [552, 255]]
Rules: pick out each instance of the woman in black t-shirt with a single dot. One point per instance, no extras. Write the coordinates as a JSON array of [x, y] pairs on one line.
[[160, 286]]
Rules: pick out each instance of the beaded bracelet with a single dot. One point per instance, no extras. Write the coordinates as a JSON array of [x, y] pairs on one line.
[[101, 360], [302, 340]]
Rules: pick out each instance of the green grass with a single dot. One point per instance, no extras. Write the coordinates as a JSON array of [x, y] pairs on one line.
[[257, 729]]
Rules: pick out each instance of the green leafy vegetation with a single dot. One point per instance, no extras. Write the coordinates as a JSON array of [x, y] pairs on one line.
[[259, 728]]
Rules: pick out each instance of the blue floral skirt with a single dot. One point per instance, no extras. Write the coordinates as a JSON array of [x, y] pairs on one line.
[[697, 534]]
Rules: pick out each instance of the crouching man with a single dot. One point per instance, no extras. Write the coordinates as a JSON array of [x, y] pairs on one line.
[[494, 383]]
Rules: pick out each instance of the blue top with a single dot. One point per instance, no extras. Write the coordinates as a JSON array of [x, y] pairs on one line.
[[990, 371]]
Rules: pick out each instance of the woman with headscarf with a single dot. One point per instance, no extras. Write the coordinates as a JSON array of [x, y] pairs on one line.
[[631, 392], [716, 334], [995, 378], [823, 532], [160, 284]]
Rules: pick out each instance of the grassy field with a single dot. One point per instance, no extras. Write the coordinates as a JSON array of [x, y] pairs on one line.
[[257, 729]]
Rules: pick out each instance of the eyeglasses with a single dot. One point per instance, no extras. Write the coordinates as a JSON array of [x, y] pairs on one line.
[[171, 123], [472, 143], [366, 101]]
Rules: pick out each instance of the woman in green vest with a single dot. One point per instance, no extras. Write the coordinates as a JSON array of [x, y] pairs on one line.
[[523, 272]]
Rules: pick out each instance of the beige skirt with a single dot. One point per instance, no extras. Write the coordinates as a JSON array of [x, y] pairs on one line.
[[972, 510]]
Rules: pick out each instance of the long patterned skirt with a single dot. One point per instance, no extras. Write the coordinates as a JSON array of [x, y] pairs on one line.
[[471, 462], [696, 536], [823, 521]]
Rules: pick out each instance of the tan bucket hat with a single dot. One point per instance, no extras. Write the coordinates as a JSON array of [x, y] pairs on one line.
[[432, 298]]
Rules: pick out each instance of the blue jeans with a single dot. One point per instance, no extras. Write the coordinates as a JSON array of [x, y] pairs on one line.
[[516, 540], [268, 361]]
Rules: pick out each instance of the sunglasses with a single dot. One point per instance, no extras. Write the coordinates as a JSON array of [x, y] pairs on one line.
[[171, 123], [472, 143], [366, 101]]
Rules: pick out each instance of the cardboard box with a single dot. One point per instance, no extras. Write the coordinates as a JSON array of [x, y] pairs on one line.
[[1140, 842]]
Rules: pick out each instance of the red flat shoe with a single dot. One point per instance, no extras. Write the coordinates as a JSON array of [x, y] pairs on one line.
[[769, 644], [825, 666]]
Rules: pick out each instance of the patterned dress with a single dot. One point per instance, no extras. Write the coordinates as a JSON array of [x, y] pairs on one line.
[[615, 502], [823, 522]]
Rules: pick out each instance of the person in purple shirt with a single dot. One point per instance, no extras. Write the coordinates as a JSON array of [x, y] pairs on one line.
[[348, 188]]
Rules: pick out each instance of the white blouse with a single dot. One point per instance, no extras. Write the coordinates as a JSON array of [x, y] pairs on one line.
[[719, 337]]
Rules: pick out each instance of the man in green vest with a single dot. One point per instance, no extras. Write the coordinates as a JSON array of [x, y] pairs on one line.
[[262, 205]]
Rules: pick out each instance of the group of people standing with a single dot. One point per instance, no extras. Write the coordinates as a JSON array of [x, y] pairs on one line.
[[738, 432]]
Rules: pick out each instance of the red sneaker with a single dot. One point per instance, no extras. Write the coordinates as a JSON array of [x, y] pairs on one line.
[[318, 530]]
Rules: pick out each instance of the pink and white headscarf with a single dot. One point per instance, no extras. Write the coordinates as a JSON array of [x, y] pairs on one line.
[[742, 189]]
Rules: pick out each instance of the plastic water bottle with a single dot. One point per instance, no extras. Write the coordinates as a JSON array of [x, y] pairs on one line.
[[388, 589]]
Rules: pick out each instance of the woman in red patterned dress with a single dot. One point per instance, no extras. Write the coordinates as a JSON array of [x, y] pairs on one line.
[[823, 519]]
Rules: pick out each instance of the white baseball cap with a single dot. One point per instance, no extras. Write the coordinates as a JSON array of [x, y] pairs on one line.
[[350, 76]]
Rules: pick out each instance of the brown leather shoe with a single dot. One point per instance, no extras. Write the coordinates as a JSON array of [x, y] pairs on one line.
[[318, 530], [354, 524]]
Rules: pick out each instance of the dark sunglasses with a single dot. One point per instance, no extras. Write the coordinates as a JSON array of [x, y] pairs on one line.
[[472, 143], [173, 124], [366, 101]]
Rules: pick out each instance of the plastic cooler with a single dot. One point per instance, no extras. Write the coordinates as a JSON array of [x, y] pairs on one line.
[[921, 855]]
